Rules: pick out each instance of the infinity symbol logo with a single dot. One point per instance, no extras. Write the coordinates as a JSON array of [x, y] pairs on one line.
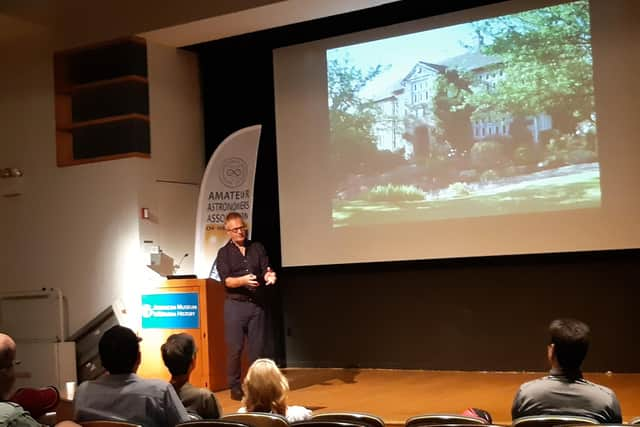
[[233, 172]]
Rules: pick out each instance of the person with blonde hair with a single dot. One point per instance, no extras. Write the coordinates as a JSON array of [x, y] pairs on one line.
[[266, 388]]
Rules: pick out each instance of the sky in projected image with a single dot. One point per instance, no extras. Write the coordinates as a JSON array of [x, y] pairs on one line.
[[492, 117]]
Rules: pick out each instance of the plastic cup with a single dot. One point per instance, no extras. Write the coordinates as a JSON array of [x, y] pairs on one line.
[[71, 389]]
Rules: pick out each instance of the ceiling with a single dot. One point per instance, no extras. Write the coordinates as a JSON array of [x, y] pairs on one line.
[[264, 17], [77, 22]]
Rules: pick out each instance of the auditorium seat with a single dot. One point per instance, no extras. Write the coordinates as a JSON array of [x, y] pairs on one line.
[[369, 420], [105, 423], [328, 423], [551, 420], [212, 423], [441, 419], [257, 419], [48, 419], [466, 425], [37, 401], [607, 425]]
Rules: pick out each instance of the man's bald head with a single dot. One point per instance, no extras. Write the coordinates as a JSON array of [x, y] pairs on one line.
[[7, 357]]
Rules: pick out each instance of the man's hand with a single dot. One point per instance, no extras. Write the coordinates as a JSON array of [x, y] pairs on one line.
[[270, 276], [250, 280]]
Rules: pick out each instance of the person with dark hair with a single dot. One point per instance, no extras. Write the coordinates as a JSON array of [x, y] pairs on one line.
[[564, 391], [244, 270], [122, 395], [179, 356]]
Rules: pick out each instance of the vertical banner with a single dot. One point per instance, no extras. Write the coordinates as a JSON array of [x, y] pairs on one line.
[[227, 186]]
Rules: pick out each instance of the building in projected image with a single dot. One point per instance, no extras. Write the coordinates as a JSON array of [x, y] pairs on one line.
[[408, 105]]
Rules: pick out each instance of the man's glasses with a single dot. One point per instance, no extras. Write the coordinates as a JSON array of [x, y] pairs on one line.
[[237, 229]]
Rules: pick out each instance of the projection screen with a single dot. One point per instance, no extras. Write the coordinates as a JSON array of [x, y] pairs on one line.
[[505, 129]]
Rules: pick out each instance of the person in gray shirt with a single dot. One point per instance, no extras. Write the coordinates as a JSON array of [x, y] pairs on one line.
[[564, 391], [122, 395], [179, 356]]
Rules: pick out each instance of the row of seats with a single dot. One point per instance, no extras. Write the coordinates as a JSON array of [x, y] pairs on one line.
[[354, 419]]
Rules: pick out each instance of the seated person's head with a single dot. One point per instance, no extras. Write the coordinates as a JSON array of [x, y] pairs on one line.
[[179, 354], [7, 361], [120, 350], [569, 343], [265, 388]]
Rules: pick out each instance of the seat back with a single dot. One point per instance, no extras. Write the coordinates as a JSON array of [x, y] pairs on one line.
[[467, 425], [551, 420], [107, 423], [258, 419], [442, 419], [368, 420], [607, 425], [212, 423], [328, 423]]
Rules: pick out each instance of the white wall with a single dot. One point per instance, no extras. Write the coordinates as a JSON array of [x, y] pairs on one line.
[[78, 228], [177, 147]]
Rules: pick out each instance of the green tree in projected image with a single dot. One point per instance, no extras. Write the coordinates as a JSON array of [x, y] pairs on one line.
[[351, 120], [452, 110], [547, 64]]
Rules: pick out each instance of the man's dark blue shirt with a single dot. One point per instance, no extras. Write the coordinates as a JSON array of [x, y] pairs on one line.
[[231, 263]]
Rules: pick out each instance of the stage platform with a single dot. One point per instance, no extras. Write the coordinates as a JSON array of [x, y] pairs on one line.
[[396, 395]]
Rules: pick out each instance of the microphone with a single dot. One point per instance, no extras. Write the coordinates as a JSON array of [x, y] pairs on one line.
[[177, 267]]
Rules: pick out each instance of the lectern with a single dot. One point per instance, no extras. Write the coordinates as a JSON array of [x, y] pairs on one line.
[[194, 306]]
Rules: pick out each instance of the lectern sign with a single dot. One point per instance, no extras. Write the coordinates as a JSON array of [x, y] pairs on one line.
[[170, 311]]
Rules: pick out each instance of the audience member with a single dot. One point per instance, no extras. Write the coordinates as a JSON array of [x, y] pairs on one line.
[[564, 391], [122, 395], [179, 356], [11, 414], [265, 390]]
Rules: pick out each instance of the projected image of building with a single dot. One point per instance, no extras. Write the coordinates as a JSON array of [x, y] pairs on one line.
[[408, 105], [489, 117]]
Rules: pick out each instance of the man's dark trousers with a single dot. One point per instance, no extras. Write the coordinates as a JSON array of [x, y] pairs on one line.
[[242, 317]]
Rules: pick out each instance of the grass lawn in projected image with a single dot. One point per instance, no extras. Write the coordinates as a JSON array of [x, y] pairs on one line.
[[572, 187], [491, 117]]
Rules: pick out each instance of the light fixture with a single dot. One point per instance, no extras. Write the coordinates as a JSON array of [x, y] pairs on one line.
[[11, 187], [11, 172]]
